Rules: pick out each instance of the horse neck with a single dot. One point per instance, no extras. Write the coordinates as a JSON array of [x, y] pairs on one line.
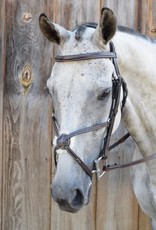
[[136, 54], [136, 57]]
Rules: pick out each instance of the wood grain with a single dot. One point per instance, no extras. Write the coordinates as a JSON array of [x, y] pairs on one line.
[[2, 68], [152, 24], [117, 207], [125, 11], [144, 222], [26, 121]]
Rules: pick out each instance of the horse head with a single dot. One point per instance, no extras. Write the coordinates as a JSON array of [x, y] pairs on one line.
[[82, 97]]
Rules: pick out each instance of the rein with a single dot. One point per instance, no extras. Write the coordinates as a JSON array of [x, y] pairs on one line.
[[63, 140]]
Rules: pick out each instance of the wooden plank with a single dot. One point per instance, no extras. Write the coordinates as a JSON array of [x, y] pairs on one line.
[[145, 17], [117, 207], [142, 16], [27, 120], [144, 222], [125, 11], [69, 14], [152, 16], [2, 68]]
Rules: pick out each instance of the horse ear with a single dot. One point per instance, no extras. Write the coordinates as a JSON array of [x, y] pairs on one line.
[[53, 32], [106, 27]]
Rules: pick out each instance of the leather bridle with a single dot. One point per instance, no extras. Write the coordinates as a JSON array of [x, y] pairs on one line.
[[63, 140]]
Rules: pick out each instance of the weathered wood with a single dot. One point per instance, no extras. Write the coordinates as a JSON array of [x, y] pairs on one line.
[[144, 222], [26, 120], [125, 11], [143, 10], [2, 74], [117, 207], [151, 31], [72, 13]]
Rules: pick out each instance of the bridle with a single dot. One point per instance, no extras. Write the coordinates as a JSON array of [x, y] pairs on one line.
[[63, 140]]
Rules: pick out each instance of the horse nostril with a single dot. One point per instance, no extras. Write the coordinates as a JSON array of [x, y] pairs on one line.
[[70, 200], [78, 199]]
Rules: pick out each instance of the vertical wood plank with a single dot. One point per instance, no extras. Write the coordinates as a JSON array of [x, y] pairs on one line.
[[27, 120], [72, 13], [117, 207], [2, 68], [152, 22], [143, 16], [125, 11], [144, 222]]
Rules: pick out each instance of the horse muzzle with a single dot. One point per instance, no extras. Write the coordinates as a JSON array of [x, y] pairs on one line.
[[70, 200]]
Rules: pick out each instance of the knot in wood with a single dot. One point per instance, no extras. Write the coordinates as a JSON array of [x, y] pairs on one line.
[[27, 17], [26, 78], [153, 30]]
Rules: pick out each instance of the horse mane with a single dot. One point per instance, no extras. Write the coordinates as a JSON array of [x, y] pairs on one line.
[[81, 28], [133, 32]]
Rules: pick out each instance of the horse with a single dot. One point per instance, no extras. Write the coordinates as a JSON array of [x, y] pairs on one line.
[[83, 82]]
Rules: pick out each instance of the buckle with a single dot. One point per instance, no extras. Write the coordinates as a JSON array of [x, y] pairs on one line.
[[63, 141], [98, 170]]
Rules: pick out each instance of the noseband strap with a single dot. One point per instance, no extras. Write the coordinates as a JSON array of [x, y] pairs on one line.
[[85, 56], [63, 142]]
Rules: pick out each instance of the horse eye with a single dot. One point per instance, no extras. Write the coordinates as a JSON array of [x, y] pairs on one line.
[[103, 95]]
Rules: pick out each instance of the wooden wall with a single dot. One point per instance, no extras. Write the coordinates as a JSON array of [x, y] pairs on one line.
[[26, 168]]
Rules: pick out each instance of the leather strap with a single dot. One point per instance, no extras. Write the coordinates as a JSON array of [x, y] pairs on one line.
[[87, 129], [118, 166], [85, 56], [79, 161], [121, 140], [63, 142]]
